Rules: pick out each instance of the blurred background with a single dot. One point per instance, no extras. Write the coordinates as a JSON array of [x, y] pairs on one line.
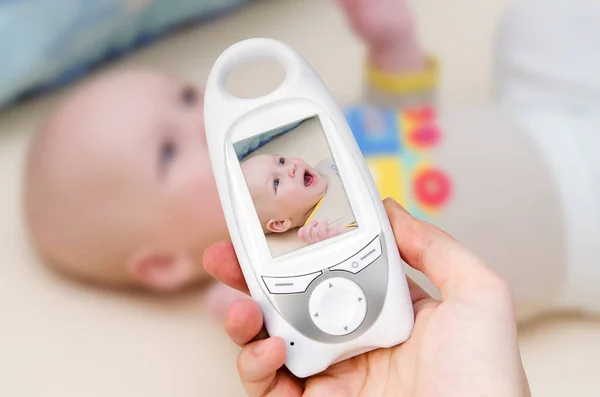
[[61, 338]]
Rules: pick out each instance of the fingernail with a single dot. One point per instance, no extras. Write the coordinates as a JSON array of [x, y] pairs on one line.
[[390, 200], [260, 347], [394, 203]]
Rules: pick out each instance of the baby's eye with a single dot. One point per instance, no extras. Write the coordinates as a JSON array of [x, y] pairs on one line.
[[276, 184], [168, 151], [282, 161], [189, 96]]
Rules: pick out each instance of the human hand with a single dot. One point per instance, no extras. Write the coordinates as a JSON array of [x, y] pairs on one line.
[[388, 29], [318, 231], [464, 345]]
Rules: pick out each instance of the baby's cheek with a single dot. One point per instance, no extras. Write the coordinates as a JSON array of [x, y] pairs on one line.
[[300, 200], [203, 135], [206, 194], [295, 195], [197, 195]]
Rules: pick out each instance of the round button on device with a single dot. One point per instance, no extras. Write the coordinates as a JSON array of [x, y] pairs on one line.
[[338, 306]]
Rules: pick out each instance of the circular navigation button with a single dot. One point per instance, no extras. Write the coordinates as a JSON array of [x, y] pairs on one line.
[[338, 306]]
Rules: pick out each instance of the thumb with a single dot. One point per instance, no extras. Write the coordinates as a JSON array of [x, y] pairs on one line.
[[258, 366], [451, 267]]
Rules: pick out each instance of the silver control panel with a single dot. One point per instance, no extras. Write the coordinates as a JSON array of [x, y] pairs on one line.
[[336, 304]]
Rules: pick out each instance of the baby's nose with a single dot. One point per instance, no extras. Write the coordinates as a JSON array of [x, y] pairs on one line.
[[292, 171]]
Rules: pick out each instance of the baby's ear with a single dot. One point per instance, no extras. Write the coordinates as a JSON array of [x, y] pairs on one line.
[[161, 272], [279, 225]]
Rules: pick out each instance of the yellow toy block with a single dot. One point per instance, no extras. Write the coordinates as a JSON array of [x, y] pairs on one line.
[[388, 173]]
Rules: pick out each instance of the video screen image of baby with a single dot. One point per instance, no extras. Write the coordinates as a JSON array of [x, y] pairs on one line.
[[295, 186]]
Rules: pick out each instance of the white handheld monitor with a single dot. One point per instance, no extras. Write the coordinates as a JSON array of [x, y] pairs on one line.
[[304, 215]]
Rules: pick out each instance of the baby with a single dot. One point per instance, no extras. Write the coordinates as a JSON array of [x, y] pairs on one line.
[[119, 188], [289, 193]]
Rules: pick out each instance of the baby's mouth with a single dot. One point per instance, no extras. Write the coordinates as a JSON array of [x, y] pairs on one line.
[[309, 178]]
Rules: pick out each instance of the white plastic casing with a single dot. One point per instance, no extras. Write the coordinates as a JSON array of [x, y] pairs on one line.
[[301, 95]]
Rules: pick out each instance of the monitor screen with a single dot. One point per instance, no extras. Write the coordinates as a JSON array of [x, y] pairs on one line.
[[295, 186]]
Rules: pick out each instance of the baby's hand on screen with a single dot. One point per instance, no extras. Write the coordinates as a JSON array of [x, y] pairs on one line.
[[317, 231]]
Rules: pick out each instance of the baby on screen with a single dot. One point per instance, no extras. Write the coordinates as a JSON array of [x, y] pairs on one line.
[[289, 193]]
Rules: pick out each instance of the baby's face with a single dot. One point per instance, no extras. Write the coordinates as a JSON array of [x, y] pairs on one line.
[[283, 189], [123, 168]]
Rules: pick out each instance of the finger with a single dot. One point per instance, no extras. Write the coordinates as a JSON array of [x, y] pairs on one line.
[[449, 265], [218, 298], [303, 233], [243, 321], [221, 263], [416, 292], [323, 231], [314, 228], [419, 297], [314, 233], [258, 363], [306, 232]]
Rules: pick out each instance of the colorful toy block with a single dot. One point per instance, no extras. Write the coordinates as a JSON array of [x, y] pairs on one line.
[[395, 145]]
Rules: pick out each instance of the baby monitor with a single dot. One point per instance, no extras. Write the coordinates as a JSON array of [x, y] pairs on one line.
[[306, 220]]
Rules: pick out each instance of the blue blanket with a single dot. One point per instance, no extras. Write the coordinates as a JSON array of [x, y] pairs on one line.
[[47, 43]]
